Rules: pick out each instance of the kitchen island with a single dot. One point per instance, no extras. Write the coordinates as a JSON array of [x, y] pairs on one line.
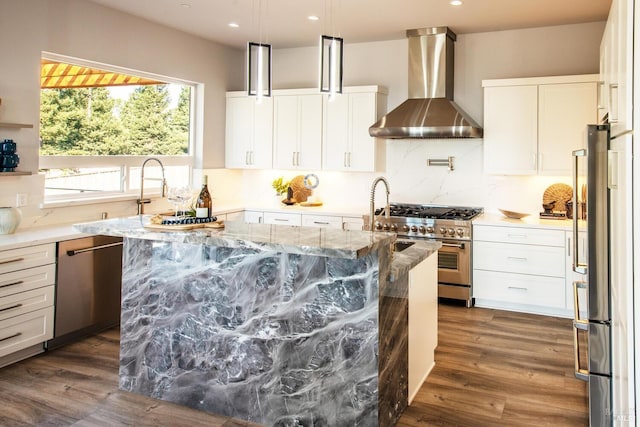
[[278, 325]]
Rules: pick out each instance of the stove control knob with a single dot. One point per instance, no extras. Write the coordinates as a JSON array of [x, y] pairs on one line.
[[451, 231], [443, 230], [394, 227], [414, 228], [422, 229], [430, 230], [405, 228], [460, 232], [386, 227], [378, 226]]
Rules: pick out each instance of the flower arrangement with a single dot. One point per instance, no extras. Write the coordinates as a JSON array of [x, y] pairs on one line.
[[280, 185]]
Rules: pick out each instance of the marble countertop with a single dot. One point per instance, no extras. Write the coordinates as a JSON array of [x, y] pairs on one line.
[[405, 260], [281, 238], [326, 209], [39, 236]]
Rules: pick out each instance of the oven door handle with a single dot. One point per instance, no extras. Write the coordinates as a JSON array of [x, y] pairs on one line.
[[453, 245]]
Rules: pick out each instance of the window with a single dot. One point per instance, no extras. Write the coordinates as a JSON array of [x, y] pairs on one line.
[[99, 123]]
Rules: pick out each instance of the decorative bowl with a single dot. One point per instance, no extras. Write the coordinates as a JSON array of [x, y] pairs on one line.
[[512, 214]]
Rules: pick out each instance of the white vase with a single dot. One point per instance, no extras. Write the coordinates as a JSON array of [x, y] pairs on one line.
[[9, 219]]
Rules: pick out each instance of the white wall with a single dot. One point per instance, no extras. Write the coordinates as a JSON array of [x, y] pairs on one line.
[[558, 50], [89, 31]]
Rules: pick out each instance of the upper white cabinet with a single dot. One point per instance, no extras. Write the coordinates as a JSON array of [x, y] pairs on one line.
[[616, 67], [531, 125], [298, 131], [347, 145], [249, 132]]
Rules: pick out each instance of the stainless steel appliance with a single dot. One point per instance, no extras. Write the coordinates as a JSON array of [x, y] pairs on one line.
[[592, 323], [449, 224], [87, 287]]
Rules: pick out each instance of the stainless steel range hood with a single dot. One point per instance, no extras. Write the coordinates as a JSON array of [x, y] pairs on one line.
[[430, 111]]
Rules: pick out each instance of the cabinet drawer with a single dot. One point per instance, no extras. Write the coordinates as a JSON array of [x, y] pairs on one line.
[[352, 223], [519, 289], [24, 331], [25, 302], [282, 218], [24, 280], [527, 236], [524, 259], [323, 221], [32, 256]]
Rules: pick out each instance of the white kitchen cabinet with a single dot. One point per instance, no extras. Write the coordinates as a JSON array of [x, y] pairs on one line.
[[27, 289], [249, 132], [520, 269], [531, 125], [347, 145], [253, 217], [423, 321], [297, 131], [282, 218], [234, 216], [323, 221], [616, 66], [352, 223]]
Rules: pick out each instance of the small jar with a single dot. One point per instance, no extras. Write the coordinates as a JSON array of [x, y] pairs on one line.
[[9, 219], [569, 207]]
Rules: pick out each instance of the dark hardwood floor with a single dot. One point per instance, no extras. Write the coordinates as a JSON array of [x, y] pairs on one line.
[[493, 368]]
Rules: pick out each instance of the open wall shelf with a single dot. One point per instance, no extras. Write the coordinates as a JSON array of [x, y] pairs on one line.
[[15, 125]]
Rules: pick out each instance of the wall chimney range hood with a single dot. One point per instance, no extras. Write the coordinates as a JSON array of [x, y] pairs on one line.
[[430, 111]]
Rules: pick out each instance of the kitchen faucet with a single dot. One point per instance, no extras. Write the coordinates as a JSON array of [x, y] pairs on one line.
[[373, 196], [142, 201]]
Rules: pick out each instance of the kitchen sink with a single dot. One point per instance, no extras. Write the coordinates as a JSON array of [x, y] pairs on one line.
[[401, 246]]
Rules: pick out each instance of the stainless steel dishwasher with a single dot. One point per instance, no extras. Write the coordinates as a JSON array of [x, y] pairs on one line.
[[88, 284]]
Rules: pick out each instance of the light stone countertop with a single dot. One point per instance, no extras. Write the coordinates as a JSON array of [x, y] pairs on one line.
[[407, 259], [532, 221]]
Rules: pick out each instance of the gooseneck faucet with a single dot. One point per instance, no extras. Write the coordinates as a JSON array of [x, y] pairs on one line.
[[373, 197], [142, 201]]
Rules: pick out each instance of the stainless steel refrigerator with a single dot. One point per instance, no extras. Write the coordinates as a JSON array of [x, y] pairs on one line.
[[592, 293]]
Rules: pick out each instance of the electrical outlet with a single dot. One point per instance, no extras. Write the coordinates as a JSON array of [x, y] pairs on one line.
[[21, 199]]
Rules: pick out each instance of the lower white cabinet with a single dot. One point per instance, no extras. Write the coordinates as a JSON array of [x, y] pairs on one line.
[[27, 289], [423, 322], [520, 269], [306, 220]]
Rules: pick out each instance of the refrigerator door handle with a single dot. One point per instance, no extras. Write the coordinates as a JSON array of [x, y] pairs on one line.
[[576, 265], [578, 325]]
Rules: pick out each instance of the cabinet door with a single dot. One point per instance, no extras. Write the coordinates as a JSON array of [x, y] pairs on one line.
[[564, 111], [249, 133], [238, 132], [282, 218], [362, 114], [335, 145], [322, 221], [310, 132], [511, 130], [253, 217], [285, 131], [620, 85], [352, 223]]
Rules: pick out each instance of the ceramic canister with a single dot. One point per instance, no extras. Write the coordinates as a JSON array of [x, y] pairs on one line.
[[9, 219]]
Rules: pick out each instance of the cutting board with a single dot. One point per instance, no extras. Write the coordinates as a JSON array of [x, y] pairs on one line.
[[310, 204], [184, 227]]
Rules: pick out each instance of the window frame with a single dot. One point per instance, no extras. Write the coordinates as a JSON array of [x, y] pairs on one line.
[[125, 162]]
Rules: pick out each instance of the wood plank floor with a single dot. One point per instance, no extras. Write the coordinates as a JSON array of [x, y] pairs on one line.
[[493, 368]]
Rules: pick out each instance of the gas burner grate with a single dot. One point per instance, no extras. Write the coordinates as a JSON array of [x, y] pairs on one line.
[[430, 212]]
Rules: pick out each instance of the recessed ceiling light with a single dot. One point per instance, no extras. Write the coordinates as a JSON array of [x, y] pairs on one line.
[[233, 24], [455, 2], [312, 18]]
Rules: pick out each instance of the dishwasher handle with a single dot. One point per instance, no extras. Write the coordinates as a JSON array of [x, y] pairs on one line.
[[93, 248]]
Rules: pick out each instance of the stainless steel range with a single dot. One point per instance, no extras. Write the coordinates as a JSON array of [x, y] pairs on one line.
[[449, 224]]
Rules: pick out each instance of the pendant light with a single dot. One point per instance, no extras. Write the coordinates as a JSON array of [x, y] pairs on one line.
[[330, 58], [258, 63]]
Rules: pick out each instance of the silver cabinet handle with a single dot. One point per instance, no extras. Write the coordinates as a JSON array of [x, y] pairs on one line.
[[577, 267], [578, 324], [19, 282], [519, 288], [517, 258], [349, 158], [320, 223], [297, 158], [93, 248], [10, 336], [11, 308], [281, 220], [293, 158], [568, 246], [246, 158], [344, 161], [12, 260], [517, 236]]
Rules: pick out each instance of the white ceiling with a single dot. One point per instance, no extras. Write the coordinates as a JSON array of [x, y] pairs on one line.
[[284, 22]]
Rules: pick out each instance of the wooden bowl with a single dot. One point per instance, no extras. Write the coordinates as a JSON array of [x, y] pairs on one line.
[[514, 215]]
